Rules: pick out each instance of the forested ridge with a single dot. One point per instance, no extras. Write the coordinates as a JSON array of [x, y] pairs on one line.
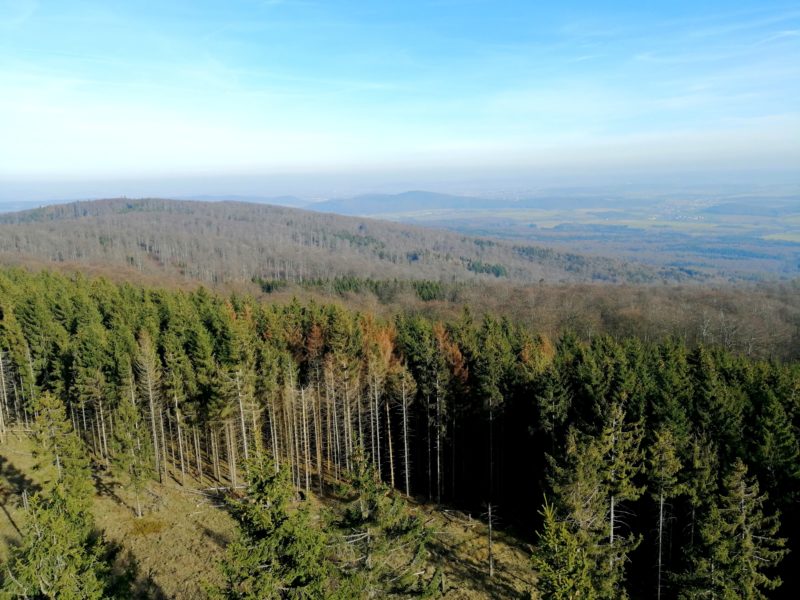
[[634, 468], [387, 268], [226, 242]]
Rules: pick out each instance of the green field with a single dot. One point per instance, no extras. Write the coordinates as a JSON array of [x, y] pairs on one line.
[[719, 243]]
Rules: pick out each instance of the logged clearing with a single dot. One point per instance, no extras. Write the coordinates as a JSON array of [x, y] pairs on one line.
[[184, 532]]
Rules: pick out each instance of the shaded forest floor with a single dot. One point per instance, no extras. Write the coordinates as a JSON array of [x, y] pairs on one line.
[[177, 544]]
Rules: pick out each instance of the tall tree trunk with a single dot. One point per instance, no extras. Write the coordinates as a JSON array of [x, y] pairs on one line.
[[25, 404], [491, 540], [163, 445], [258, 437], [428, 441], [389, 441], [438, 443], [287, 437], [273, 432], [196, 436], [241, 414], [359, 410], [214, 454], [16, 400], [297, 442], [612, 517], [154, 429], [316, 406], [294, 439], [660, 539], [83, 418], [3, 398], [337, 457], [33, 381], [306, 445], [378, 429], [373, 454], [180, 440], [348, 429], [406, 472], [231, 439], [97, 442], [329, 442], [136, 406]]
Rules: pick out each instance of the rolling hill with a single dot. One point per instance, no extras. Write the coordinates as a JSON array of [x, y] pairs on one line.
[[224, 242]]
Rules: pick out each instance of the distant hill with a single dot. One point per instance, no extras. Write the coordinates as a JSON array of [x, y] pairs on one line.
[[415, 201], [219, 242], [292, 201], [377, 204]]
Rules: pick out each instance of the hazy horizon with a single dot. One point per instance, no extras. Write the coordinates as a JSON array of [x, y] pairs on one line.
[[311, 188]]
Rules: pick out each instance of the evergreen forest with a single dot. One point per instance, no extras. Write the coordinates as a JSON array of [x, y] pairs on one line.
[[625, 467]]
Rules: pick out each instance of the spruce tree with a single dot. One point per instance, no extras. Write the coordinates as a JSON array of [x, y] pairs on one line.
[[699, 483], [672, 393], [554, 400], [280, 552], [740, 544], [597, 474], [718, 407], [560, 560], [622, 461], [776, 445], [60, 556], [132, 449], [664, 466], [58, 450], [581, 495], [148, 370]]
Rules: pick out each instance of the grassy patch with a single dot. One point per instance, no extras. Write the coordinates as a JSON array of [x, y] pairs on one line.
[[146, 526]]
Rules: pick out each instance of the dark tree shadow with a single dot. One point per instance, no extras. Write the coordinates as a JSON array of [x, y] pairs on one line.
[[105, 487], [11, 542], [128, 576], [13, 483], [220, 539]]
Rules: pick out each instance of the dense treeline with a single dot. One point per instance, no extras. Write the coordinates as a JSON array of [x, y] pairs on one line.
[[386, 268], [385, 290], [656, 460], [760, 322]]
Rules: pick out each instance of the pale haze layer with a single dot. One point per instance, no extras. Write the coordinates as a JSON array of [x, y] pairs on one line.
[[102, 98]]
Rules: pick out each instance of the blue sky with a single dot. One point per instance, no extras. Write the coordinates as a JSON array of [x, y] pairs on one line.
[[161, 89]]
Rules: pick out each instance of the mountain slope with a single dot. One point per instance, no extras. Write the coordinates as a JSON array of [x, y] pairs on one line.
[[234, 241]]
